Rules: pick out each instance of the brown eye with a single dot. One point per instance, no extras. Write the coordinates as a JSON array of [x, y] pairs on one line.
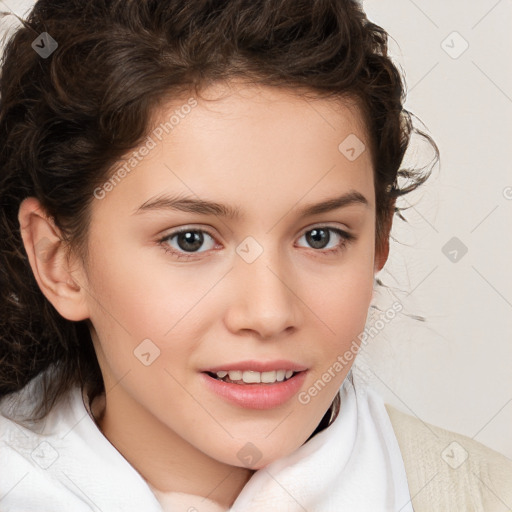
[[320, 237], [188, 242]]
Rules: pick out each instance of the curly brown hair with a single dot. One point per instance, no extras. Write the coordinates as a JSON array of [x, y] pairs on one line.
[[66, 120]]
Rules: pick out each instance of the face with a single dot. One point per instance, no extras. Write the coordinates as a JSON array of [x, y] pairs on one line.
[[274, 287]]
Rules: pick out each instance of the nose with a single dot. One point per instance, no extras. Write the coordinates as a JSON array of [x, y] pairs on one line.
[[263, 296]]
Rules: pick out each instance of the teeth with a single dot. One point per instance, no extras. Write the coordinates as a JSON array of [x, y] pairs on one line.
[[252, 377], [268, 377]]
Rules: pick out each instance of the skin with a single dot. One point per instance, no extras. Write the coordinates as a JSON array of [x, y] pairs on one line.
[[270, 152]]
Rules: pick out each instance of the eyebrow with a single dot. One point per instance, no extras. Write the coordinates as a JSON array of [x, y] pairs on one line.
[[205, 207]]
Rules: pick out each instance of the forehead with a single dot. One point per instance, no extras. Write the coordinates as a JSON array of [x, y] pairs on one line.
[[264, 109], [250, 146]]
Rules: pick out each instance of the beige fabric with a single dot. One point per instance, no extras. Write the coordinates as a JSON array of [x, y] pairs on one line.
[[450, 472]]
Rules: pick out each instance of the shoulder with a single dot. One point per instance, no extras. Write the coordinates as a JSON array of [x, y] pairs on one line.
[[449, 470]]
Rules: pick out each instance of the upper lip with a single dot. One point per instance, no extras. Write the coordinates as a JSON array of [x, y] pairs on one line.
[[258, 366]]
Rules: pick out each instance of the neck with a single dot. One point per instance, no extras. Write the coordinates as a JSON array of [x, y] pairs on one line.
[[165, 460]]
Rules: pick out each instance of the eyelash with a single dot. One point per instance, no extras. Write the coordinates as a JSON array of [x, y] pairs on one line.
[[346, 238]]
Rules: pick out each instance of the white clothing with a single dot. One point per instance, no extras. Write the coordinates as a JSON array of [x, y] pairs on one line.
[[68, 465]]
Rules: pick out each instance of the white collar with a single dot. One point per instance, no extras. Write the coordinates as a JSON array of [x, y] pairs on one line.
[[355, 464]]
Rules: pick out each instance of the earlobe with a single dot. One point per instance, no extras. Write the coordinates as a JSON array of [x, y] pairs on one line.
[[382, 251], [47, 254], [382, 256]]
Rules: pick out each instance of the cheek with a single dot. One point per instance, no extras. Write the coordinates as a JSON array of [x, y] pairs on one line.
[[342, 313], [344, 290], [352, 296], [135, 300], [341, 301]]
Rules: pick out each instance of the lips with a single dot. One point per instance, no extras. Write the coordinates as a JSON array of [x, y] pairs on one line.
[[256, 395]]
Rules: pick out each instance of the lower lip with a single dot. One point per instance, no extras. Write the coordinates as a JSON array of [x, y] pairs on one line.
[[256, 396]]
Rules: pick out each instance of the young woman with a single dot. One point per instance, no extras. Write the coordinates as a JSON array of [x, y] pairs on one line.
[[196, 198]]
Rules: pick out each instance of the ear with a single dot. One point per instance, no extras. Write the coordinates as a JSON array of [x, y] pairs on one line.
[[51, 266], [382, 251], [381, 256]]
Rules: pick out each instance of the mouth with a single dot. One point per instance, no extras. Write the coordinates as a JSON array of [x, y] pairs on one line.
[[250, 377], [251, 389]]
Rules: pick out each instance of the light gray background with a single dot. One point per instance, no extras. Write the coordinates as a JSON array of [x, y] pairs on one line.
[[452, 370]]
